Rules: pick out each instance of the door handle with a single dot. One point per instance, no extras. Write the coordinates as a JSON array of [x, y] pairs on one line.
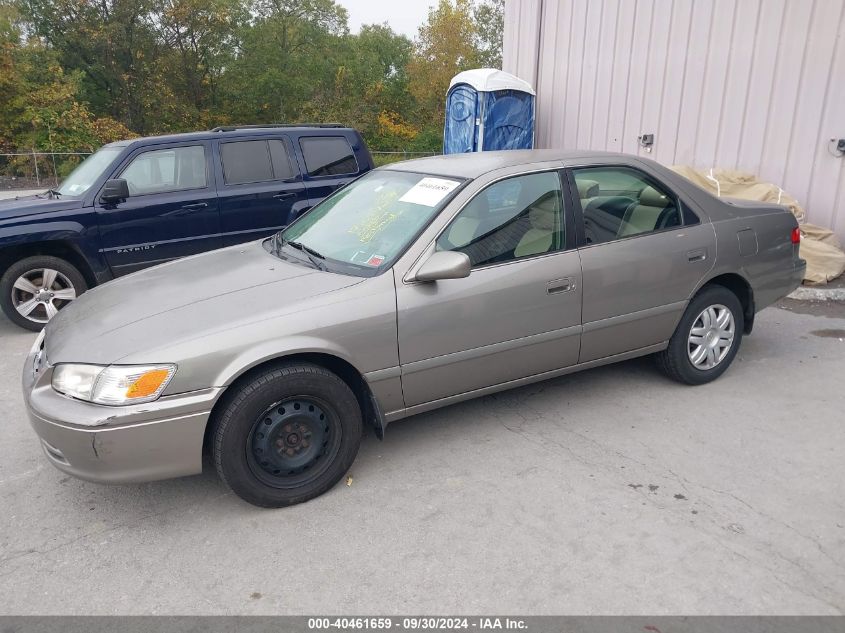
[[285, 195], [195, 206], [697, 256], [560, 285]]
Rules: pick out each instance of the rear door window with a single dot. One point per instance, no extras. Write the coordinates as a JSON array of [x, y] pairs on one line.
[[255, 161], [246, 161], [328, 155], [280, 159], [619, 202]]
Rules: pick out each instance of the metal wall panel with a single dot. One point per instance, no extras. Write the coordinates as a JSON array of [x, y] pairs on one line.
[[756, 85]]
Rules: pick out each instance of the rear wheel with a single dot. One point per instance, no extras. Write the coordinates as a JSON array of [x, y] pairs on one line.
[[287, 435], [707, 338], [33, 290]]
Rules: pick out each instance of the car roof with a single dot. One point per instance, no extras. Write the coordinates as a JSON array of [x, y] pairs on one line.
[[472, 165], [233, 131]]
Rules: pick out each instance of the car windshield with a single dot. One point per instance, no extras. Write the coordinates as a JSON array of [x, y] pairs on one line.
[[86, 173], [365, 226]]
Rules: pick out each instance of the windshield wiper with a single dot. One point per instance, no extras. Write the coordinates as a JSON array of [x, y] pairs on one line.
[[313, 256]]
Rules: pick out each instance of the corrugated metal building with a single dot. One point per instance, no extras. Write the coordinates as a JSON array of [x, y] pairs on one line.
[[756, 85]]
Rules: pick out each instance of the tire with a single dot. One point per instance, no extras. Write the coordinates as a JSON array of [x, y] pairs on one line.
[[43, 303], [286, 435], [682, 360]]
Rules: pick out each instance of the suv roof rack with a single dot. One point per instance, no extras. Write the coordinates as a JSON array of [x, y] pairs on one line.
[[233, 128]]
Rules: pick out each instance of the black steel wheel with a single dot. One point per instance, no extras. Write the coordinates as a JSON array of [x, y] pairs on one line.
[[286, 434], [293, 442]]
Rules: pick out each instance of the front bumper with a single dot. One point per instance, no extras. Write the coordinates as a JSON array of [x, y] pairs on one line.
[[144, 442]]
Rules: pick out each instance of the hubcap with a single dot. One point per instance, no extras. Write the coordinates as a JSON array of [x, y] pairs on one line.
[[711, 337], [293, 442], [39, 294]]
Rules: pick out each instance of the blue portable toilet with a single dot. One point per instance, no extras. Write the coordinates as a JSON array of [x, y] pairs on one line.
[[488, 109]]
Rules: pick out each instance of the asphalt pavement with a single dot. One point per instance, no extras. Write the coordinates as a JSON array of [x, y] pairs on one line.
[[7, 194], [611, 491]]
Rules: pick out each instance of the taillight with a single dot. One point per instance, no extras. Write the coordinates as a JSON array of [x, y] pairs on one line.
[[796, 235]]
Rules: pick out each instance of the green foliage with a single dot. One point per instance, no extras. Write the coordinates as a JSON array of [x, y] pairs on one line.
[[39, 106], [446, 45], [77, 73], [489, 16]]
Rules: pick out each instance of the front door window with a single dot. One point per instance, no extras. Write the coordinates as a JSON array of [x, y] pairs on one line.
[[511, 219], [166, 170]]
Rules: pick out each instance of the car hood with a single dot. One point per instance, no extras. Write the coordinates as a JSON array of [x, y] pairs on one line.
[[160, 306], [26, 205]]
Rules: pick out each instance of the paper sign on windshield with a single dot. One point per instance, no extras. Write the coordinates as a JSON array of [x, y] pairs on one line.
[[429, 191]]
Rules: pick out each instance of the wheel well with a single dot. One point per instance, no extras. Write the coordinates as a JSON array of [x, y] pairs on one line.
[[740, 287], [344, 370], [62, 250]]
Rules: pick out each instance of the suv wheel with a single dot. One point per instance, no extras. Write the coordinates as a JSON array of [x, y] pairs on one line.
[[707, 338], [33, 290], [287, 435]]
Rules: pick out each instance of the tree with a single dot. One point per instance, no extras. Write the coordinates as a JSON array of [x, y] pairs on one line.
[[199, 38], [287, 55], [111, 43], [39, 104], [490, 24], [369, 86], [445, 46], [75, 72]]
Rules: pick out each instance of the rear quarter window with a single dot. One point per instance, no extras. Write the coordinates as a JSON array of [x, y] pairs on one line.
[[328, 155]]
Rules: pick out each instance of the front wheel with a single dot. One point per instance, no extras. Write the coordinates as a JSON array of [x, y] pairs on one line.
[[287, 435], [707, 338], [34, 289]]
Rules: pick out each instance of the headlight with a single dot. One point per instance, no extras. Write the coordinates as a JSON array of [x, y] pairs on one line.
[[113, 385]]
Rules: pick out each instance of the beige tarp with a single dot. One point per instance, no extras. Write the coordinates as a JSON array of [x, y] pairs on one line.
[[819, 246]]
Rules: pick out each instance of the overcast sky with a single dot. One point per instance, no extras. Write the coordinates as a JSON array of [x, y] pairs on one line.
[[403, 16]]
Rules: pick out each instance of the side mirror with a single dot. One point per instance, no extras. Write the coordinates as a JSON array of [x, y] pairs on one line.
[[115, 190], [444, 265]]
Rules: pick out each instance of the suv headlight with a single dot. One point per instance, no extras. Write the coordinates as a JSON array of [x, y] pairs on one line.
[[113, 385]]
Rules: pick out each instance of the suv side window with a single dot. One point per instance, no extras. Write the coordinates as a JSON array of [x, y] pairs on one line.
[[166, 170], [328, 155], [255, 161], [513, 218], [620, 201]]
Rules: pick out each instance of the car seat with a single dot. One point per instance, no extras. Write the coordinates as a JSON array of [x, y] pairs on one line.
[[543, 236], [651, 212]]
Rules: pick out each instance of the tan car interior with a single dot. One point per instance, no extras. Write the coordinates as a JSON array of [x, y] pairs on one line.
[[610, 217], [488, 236], [544, 216]]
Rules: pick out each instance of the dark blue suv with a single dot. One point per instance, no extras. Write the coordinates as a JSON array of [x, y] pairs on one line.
[[146, 201]]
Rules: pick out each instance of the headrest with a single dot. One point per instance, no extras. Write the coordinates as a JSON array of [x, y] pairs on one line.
[[543, 212], [650, 197], [587, 188]]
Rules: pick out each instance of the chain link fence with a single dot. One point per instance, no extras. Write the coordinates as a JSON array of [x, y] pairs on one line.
[[35, 170]]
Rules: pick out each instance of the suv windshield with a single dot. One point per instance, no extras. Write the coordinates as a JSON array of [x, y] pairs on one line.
[[366, 225], [86, 173]]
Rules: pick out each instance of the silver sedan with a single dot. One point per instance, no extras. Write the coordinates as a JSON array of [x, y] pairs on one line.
[[418, 285]]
